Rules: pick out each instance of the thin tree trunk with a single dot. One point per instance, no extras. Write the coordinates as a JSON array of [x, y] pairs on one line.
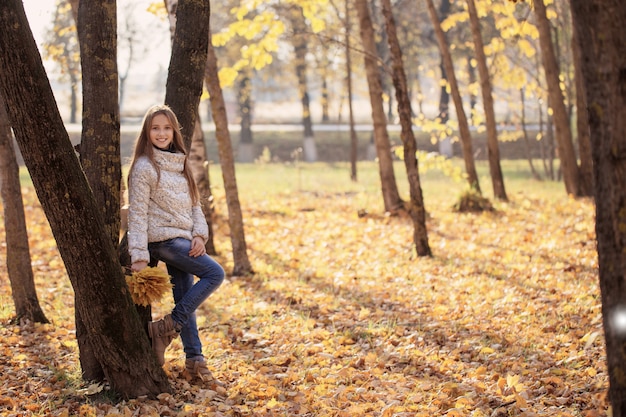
[[381, 52], [416, 208], [74, 7], [493, 150], [73, 100], [75, 217], [600, 25], [245, 150], [525, 135], [200, 169], [551, 148], [391, 196], [471, 74], [567, 154], [245, 108], [542, 142], [19, 266], [464, 129], [445, 143], [353, 136], [235, 218], [325, 94], [301, 49]]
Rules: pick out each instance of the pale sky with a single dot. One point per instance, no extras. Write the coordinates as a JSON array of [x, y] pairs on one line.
[[39, 15], [156, 42], [146, 83]]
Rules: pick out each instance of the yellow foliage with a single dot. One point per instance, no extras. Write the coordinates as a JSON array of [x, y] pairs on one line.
[[527, 48], [504, 319], [148, 285], [453, 19], [157, 8]]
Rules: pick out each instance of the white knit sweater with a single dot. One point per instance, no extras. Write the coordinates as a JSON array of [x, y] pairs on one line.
[[161, 210]]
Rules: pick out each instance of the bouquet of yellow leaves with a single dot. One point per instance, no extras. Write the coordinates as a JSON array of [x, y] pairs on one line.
[[148, 285]]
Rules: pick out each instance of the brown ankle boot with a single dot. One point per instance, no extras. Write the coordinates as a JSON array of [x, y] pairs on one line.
[[162, 332], [195, 368]]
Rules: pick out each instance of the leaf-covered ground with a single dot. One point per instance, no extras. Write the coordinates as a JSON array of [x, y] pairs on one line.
[[342, 319]]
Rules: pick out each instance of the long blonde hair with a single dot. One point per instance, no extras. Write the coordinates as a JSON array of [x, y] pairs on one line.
[[143, 146]]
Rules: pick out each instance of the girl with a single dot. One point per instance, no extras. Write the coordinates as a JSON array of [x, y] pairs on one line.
[[165, 222]]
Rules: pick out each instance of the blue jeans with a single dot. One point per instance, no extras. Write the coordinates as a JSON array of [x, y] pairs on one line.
[[187, 295]]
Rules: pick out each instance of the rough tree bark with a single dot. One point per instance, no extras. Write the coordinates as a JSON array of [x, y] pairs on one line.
[[19, 266], [565, 144], [464, 129], [197, 150], [186, 70], [235, 218], [582, 123], [493, 150], [416, 209], [391, 196], [600, 26], [99, 148], [76, 220]]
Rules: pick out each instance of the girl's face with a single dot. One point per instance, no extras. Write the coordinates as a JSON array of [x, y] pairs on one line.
[[161, 131]]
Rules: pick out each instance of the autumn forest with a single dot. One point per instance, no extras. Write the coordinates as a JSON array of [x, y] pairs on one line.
[[435, 226]]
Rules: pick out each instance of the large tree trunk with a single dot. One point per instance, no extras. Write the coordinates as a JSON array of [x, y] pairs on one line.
[[197, 149], [75, 217], [186, 70], [416, 208], [391, 196], [19, 267], [300, 49], [100, 140], [235, 218], [493, 150], [464, 129], [600, 25], [582, 123], [565, 144]]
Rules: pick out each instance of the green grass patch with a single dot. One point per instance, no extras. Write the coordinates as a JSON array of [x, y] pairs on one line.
[[263, 180]]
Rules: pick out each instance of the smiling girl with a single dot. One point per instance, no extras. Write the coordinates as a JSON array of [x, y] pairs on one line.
[[166, 223]]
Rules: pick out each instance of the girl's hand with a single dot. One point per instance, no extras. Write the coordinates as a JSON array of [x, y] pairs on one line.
[[138, 266], [197, 247]]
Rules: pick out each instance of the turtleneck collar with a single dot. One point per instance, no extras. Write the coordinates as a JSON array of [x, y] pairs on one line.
[[169, 161], [171, 148]]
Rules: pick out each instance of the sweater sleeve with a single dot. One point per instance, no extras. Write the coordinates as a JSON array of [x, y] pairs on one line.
[[139, 197], [200, 227]]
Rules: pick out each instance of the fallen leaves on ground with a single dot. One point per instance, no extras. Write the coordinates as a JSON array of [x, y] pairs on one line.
[[342, 319]]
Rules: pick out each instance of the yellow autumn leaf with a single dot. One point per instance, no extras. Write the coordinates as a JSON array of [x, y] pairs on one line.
[[487, 350]]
